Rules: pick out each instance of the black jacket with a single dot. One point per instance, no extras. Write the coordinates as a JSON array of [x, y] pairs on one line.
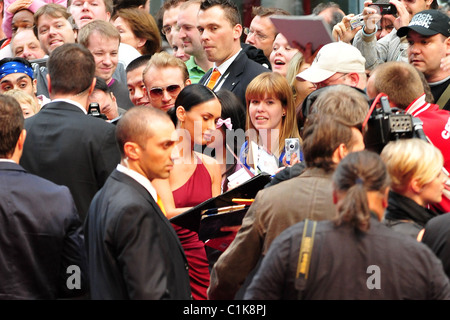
[[40, 238], [238, 75], [70, 148], [350, 265], [133, 250], [405, 215]]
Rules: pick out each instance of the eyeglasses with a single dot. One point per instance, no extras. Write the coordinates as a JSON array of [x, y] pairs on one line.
[[260, 36], [328, 82], [167, 29], [157, 92]]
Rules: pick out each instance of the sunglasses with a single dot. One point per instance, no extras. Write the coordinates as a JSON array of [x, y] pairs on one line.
[[157, 92]]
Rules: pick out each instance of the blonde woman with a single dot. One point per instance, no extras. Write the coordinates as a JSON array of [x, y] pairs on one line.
[[270, 120], [300, 88], [417, 181]]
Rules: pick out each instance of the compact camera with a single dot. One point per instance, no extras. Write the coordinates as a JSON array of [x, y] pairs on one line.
[[291, 146], [357, 21], [385, 7]]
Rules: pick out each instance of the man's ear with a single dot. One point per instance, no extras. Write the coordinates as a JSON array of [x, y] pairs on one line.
[[34, 86], [386, 197], [354, 78], [92, 87], [132, 150], [237, 31], [339, 154], [18, 150], [447, 46], [335, 197], [49, 83], [21, 140]]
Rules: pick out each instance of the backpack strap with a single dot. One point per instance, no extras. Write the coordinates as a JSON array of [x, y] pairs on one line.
[[445, 96], [304, 257]]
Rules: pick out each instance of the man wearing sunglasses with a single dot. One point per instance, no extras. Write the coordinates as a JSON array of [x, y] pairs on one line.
[[164, 77]]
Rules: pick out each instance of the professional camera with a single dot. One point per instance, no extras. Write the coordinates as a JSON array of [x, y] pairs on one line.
[[94, 110], [385, 124]]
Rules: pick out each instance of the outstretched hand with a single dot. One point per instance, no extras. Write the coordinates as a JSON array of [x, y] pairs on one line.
[[307, 51], [343, 31]]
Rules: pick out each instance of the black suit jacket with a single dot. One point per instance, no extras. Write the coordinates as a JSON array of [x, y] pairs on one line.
[[40, 237], [70, 148], [133, 250], [238, 75]]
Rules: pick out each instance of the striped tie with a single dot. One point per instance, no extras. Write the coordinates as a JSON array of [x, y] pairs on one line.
[[212, 80]]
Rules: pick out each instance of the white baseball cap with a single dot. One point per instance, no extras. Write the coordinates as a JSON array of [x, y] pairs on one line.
[[331, 58]]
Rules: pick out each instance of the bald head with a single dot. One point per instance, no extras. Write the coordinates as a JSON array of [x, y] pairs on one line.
[[137, 124]]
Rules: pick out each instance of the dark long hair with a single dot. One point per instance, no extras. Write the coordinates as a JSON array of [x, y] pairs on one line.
[[191, 96], [232, 108], [356, 174]]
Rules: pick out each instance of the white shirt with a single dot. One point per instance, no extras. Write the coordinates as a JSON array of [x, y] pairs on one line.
[[223, 68], [72, 102], [140, 179], [6, 160]]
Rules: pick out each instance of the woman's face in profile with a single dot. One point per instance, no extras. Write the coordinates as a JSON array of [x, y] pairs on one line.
[[201, 121]]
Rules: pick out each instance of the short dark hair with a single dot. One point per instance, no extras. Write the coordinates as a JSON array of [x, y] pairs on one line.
[[71, 68], [100, 84], [136, 125], [11, 125], [230, 8], [138, 62]]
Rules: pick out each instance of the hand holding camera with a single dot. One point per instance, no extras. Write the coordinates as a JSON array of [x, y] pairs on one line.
[[373, 12], [292, 150], [346, 29]]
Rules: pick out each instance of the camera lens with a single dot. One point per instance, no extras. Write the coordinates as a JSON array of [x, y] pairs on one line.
[[291, 146]]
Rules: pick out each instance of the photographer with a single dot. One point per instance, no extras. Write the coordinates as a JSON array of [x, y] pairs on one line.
[[391, 47], [401, 82]]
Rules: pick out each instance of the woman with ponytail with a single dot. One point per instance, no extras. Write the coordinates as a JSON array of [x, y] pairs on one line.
[[354, 256]]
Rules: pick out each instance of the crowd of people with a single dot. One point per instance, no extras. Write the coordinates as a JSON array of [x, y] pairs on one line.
[[114, 122]]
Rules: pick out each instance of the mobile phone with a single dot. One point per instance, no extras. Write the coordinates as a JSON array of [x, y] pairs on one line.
[[291, 146]]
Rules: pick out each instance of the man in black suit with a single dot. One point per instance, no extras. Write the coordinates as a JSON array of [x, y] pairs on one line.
[[42, 250], [64, 144], [220, 26], [133, 250]]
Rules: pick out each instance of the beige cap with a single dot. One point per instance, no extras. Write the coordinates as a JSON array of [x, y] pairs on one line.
[[331, 58]]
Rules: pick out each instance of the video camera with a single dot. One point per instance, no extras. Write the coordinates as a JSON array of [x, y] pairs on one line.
[[385, 124]]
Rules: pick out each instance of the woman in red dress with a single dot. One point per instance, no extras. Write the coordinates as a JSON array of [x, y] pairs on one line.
[[195, 177]]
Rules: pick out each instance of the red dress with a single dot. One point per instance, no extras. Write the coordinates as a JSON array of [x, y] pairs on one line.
[[196, 190]]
